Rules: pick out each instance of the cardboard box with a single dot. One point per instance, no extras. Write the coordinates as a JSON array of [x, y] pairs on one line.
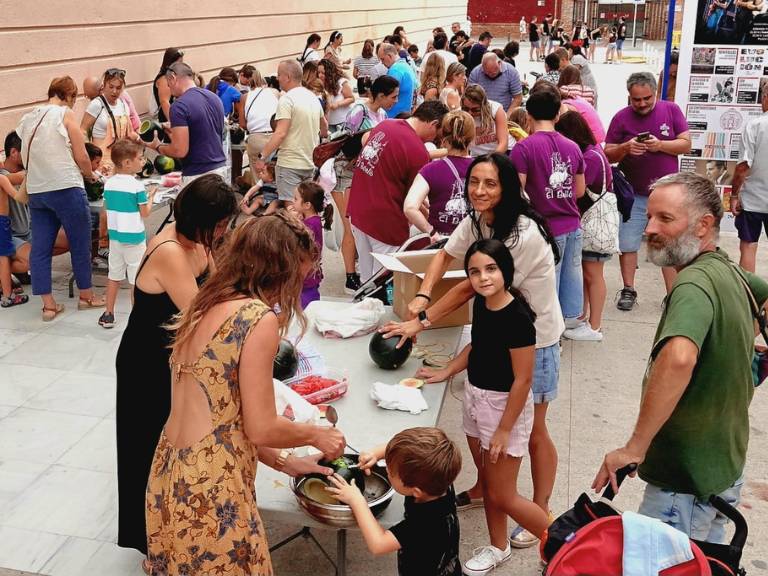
[[409, 269]]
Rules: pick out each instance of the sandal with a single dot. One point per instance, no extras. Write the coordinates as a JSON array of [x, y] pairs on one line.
[[13, 300], [51, 313], [464, 501], [94, 302]]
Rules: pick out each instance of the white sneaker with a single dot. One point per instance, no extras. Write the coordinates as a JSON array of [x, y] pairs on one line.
[[571, 323], [485, 559], [585, 333]]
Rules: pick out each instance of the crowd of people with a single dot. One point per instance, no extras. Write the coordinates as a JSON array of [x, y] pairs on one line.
[[522, 184]]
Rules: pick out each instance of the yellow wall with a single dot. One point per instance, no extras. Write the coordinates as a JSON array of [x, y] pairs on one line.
[[42, 40]]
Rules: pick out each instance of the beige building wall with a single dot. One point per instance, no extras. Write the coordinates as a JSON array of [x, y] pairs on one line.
[[42, 40]]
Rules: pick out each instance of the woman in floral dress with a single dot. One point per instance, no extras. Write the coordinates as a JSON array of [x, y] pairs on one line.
[[201, 505]]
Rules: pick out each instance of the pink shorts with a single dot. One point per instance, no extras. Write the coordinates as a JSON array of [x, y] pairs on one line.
[[483, 410]]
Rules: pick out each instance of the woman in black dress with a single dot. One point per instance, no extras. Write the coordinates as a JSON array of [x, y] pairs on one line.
[[177, 260]]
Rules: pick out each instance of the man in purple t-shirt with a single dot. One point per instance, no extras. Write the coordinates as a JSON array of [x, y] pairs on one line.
[[645, 138], [197, 126], [551, 170]]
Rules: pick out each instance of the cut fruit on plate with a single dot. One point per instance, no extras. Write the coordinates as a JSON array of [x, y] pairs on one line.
[[412, 382]]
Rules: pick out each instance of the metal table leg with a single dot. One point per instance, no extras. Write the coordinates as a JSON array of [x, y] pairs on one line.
[[341, 553]]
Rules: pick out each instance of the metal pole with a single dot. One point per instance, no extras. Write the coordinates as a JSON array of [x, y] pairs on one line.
[[634, 27], [668, 51]]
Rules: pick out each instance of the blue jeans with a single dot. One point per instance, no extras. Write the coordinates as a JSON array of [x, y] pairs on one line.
[[546, 374], [686, 513], [50, 211], [570, 287]]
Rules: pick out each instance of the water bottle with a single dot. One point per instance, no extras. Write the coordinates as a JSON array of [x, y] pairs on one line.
[[390, 293]]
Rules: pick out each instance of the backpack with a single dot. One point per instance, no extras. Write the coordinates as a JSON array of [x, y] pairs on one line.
[[625, 194]]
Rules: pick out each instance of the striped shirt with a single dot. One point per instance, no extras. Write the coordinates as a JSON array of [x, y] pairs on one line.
[[503, 88], [123, 194], [365, 65]]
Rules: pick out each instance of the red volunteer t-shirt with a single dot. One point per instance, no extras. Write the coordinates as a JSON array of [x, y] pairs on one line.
[[385, 170]]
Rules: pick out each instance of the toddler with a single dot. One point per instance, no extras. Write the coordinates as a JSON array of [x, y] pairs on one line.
[[422, 464], [98, 215], [126, 203], [263, 194], [309, 203]]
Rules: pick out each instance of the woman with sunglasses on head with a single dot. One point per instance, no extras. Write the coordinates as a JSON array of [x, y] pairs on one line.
[[490, 122], [107, 118], [53, 151]]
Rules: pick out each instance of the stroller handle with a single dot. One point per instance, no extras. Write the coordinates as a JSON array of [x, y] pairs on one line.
[[740, 535], [621, 474]]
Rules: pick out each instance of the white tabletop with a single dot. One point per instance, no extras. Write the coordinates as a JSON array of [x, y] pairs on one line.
[[364, 424]]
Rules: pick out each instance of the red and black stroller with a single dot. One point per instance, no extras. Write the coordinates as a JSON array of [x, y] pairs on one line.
[[588, 540]]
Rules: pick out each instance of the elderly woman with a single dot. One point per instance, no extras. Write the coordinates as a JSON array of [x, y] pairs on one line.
[[160, 105], [439, 186], [490, 122], [107, 118], [259, 108], [53, 150]]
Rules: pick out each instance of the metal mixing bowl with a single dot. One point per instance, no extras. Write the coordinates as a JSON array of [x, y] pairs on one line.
[[378, 492]]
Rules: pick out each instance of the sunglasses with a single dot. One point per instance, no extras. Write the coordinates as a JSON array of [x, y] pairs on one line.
[[114, 72], [470, 109]]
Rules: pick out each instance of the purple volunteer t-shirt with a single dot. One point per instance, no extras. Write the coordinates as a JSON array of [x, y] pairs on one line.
[[447, 206], [315, 225], [550, 161], [666, 122], [202, 113]]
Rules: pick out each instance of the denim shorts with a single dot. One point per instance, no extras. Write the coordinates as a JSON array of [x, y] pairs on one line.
[[19, 241], [587, 256], [6, 237], [697, 518], [546, 374], [631, 232]]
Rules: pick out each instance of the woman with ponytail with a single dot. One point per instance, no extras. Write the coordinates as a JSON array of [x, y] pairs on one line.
[[311, 52], [439, 186]]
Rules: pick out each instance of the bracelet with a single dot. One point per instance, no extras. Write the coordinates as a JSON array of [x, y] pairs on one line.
[[419, 294], [281, 459]]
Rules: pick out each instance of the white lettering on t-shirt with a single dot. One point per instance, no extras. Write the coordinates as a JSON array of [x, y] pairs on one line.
[[371, 153], [561, 178], [664, 129]]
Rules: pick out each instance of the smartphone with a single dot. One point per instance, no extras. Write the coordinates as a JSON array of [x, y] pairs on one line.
[[643, 136]]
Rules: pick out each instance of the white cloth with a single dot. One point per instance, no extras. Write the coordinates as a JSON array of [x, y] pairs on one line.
[[366, 245], [651, 546], [534, 272], [52, 167], [398, 397], [292, 406], [358, 319]]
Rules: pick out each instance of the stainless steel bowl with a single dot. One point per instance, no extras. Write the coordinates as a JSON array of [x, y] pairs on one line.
[[378, 492]]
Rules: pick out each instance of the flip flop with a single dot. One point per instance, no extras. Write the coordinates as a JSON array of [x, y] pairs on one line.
[[464, 501], [51, 313]]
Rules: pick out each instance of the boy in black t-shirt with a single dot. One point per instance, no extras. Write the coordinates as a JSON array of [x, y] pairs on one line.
[[422, 464]]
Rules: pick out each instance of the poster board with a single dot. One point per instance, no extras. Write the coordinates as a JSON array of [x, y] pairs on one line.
[[721, 78]]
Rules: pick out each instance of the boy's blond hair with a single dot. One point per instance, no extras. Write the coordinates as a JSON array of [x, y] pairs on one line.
[[424, 458], [123, 150]]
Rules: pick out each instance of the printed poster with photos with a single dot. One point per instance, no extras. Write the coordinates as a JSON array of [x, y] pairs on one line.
[[724, 64]]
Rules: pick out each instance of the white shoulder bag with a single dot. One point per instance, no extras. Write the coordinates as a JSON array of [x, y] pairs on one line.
[[600, 223]]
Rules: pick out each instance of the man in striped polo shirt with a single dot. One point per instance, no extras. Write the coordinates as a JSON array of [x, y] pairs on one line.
[[500, 81], [127, 204]]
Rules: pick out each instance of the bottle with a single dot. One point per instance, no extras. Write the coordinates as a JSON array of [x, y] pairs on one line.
[[390, 293]]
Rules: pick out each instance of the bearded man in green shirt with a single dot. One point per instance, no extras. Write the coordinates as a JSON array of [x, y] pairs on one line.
[[691, 435]]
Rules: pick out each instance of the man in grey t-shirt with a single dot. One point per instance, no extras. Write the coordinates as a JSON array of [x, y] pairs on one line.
[[749, 195]]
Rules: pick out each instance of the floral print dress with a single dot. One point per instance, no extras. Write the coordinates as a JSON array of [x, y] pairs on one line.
[[201, 501]]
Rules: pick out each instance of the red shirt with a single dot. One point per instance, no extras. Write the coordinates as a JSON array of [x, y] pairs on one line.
[[386, 168]]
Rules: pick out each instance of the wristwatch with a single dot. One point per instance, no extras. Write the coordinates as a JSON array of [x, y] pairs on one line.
[[281, 459], [424, 320]]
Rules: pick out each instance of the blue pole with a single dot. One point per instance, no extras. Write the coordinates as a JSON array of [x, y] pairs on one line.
[[668, 51]]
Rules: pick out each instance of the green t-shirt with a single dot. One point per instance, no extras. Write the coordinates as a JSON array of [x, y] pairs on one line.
[[702, 448]]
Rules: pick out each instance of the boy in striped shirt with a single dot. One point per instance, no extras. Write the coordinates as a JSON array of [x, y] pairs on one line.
[[127, 204]]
